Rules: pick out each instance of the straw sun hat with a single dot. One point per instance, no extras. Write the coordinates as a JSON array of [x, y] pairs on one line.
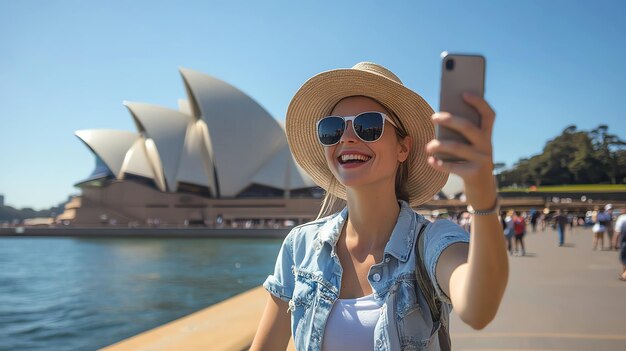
[[319, 95]]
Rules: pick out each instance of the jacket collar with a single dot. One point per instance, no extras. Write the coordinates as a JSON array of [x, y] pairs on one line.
[[330, 231], [402, 237]]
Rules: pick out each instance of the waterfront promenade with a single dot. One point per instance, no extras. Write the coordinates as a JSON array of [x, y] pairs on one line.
[[558, 298]]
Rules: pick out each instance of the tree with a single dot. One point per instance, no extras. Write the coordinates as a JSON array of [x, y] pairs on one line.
[[584, 167], [606, 146], [574, 157]]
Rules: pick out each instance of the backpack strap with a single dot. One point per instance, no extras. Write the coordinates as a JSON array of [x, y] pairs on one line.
[[428, 290]]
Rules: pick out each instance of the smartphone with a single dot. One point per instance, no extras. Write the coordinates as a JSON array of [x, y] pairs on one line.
[[460, 73]]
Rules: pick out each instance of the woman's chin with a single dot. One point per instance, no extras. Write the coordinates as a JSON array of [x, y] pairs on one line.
[[353, 178], [360, 176], [353, 183], [364, 182]]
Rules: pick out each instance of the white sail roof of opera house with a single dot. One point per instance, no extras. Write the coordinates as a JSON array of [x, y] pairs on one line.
[[136, 162], [219, 138], [121, 151], [171, 131], [110, 145], [281, 170], [237, 126]]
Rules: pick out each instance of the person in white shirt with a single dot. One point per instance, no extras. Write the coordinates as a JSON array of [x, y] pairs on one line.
[[620, 232]]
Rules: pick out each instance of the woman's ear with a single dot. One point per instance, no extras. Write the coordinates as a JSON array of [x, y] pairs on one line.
[[404, 146]]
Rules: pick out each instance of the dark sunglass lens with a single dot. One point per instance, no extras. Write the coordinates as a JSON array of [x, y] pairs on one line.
[[330, 130], [369, 126]]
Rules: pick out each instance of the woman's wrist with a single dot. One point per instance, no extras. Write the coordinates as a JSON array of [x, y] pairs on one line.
[[494, 209], [482, 196]]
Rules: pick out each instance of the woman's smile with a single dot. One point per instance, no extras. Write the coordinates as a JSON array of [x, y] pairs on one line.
[[349, 159]]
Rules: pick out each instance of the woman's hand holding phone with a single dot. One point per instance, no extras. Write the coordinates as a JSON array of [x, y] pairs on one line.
[[476, 167], [477, 284]]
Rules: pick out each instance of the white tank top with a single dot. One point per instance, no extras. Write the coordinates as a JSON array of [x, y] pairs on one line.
[[350, 325]]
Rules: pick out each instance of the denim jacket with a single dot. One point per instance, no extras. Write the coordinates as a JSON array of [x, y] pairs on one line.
[[308, 276]]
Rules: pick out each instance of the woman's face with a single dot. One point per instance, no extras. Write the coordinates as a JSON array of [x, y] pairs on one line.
[[378, 160]]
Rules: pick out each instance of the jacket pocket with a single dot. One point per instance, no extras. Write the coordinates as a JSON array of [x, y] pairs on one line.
[[413, 319]]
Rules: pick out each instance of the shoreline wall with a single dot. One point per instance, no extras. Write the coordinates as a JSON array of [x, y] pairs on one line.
[[124, 232]]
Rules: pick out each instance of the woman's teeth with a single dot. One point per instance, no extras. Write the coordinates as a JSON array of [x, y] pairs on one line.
[[349, 158]]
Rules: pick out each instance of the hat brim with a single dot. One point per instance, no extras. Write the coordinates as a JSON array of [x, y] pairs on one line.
[[317, 97]]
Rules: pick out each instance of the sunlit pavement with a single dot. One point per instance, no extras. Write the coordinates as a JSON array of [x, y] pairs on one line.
[[558, 298]]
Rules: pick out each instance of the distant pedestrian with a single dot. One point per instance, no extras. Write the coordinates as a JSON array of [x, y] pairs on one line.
[[509, 231], [465, 221], [613, 239], [519, 227], [594, 215], [570, 220], [605, 219], [560, 221], [543, 218], [534, 216], [598, 230], [620, 233]]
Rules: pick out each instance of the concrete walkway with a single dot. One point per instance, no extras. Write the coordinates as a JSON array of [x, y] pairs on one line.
[[558, 298]]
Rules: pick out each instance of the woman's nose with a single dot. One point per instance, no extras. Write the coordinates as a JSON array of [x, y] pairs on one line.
[[348, 134]]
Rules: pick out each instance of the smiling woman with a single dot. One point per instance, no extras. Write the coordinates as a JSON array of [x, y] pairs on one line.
[[355, 280], [372, 155]]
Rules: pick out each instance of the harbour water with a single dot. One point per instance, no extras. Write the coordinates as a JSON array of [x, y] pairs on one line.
[[84, 294]]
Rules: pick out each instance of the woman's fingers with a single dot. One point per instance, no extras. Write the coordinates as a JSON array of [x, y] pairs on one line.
[[458, 150], [472, 169], [461, 169], [471, 132], [478, 164], [483, 108]]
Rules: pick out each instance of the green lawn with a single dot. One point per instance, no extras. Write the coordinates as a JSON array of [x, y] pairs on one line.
[[582, 188]]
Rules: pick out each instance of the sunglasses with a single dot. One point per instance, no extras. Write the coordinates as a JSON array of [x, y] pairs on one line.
[[368, 126]]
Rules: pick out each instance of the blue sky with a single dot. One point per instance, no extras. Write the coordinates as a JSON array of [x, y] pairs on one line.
[[68, 65]]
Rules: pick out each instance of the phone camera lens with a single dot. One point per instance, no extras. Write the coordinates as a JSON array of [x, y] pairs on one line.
[[450, 64]]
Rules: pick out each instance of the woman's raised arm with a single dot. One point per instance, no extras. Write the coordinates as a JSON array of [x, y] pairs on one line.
[[474, 278]]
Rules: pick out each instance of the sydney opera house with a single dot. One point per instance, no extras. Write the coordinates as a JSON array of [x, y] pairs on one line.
[[219, 159]]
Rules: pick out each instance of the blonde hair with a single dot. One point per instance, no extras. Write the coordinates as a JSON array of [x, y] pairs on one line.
[[332, 204]]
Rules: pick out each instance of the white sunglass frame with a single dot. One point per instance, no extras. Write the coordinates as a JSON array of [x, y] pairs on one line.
[[347, 119]]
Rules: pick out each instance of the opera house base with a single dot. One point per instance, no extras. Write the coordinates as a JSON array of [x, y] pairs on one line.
[[128, 204], [128, 208]]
